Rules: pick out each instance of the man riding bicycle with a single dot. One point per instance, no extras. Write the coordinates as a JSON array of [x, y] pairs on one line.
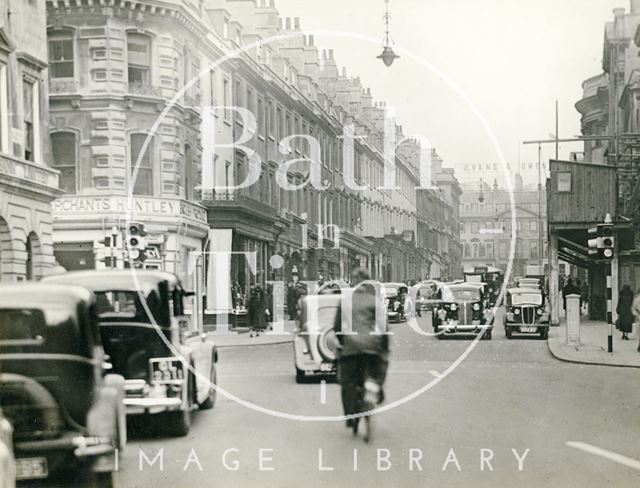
[[362, 354]]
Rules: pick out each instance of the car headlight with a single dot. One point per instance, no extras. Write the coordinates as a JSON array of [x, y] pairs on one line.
[[509, 316], [453, 307], [386, 302], [516, 311], [539, 312], [476, 306]]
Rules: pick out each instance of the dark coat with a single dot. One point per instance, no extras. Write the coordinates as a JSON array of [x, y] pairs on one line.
[[363, 323], [625, 316]]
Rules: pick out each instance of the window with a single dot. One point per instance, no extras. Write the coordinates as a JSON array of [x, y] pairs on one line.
[[474, 250], [237, 95], [481, 248], [271, 118], [533, 225], [533, 249], [226, 95], [261, 117], [60, 54], [489, 246], [474, 227], [466, 250], [144, 182], [503, 249], [212, 87], [474, 208], [563, 181], [4, 110], [138, 59], [188, 173], [28, 103], [63, 145]]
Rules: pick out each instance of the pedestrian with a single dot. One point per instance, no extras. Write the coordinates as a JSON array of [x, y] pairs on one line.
[[625, 316], [578, 287], [567, 289], [584, 295], [635, 309], [362, 356]]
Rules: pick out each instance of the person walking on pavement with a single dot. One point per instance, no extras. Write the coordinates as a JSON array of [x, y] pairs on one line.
[[635, 309], [567, 289], [625, 316], [362, 356]]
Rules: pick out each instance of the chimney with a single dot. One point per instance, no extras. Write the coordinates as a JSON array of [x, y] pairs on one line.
[[344, 71], [635, 6], [288, 23], [279, 23], [272, 3], [311, 40], [330, 53], [618, 12], [296, 23]]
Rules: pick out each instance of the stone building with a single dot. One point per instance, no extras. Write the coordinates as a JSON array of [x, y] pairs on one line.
[[27, 182], [116, 129], [486, 219]]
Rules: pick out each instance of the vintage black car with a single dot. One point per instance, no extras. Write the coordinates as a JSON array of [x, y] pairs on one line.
[[396, 295], [315, 343], [169, 366], [463, 310], [526, 312], [67, 413], [427, 295]]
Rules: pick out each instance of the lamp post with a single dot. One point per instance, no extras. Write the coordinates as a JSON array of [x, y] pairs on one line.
[[388, 56]]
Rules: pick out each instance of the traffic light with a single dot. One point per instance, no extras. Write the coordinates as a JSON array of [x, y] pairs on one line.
[[136, 243], [595, 241], [605, 231]]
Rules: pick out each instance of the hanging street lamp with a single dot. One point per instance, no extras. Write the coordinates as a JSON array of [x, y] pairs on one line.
[[388, 56]]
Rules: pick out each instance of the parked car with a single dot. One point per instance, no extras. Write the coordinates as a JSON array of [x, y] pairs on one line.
[[7, 460], [526, 312], [464, 310], [396, 295], [315, 343], [152, 343], [56, 386]]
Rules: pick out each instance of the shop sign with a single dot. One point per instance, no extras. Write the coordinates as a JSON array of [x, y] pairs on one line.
[[121, 205]]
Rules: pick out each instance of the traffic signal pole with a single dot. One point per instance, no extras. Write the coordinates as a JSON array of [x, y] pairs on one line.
[[609, 309]]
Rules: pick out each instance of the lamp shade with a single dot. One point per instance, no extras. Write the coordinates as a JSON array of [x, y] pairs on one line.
[[388, 56]]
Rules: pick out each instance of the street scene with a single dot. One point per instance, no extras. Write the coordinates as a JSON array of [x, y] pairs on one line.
[[277, 243]]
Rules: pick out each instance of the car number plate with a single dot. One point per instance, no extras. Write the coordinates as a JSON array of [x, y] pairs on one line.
[[528, 329], [31, 468], [165, 371], [326, 367]]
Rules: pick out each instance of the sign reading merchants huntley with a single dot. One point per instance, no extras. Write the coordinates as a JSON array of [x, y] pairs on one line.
[[147, 206]]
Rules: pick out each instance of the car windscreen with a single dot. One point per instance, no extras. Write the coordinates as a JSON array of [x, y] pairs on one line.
[[461, 294], [126, 305], [528, 298]]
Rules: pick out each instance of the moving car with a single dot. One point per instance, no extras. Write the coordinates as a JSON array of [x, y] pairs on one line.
[[464, 310], [529, 283], [492, 278], [151, 343], [56, 388], [526, 312], [395, 300], [315, 343]]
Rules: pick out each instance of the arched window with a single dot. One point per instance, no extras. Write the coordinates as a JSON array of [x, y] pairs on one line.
[[144, 178], [61, 53], [474, 250], [138, 59], [32, 247], [63, 145]]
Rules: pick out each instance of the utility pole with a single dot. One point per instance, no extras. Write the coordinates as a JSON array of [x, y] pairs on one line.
[[540, 204]]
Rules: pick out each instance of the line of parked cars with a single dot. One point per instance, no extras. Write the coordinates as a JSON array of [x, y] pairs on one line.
[[81, 351]]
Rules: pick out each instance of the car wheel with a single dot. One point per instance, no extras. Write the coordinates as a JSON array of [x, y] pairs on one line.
[[439, 334], [300, 377], [487, 335], [508, 333], [177, 423], [544, 335], [209, 403], [102, 480]]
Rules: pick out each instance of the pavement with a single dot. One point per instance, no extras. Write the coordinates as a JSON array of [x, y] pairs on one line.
[[243, 336], [593, 345], [573, 425]]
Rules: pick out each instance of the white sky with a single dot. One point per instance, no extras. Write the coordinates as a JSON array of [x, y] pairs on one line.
[[512, 59]]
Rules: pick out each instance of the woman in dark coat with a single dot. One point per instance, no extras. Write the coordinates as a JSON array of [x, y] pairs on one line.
[[625, 316]]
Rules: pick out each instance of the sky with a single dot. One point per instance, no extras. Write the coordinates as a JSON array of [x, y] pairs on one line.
[[509, 59]]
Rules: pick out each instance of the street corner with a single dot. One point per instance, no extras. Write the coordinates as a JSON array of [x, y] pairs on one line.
[[592, 347]]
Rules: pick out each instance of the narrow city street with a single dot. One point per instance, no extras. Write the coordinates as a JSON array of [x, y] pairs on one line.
[[506, 395]]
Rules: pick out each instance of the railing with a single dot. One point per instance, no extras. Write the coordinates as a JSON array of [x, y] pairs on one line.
[[58, 86], [144, 89]]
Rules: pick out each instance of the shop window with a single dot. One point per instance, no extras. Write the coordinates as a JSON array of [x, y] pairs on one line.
[[61, 54], [143, 184], [138, 59], [63, 145]]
